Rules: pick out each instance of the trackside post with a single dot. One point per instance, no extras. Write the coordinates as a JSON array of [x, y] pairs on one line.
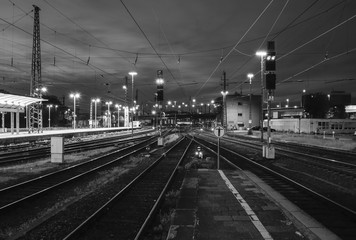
[[219, 131]]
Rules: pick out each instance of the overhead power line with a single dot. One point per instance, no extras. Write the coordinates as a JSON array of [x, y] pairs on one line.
[[148, 40]]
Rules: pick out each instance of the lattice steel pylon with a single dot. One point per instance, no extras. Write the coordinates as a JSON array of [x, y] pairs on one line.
[[36, 88]]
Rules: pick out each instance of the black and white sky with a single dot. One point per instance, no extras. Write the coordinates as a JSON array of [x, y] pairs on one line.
[[192, 41]]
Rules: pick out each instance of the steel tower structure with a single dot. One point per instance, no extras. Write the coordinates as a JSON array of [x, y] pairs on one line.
[[36, 88]]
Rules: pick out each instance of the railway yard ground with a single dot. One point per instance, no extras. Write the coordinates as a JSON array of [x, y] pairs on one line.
[[342, 141], [201, 203]]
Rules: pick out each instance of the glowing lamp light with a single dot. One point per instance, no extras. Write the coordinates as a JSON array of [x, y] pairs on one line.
[[159, 81], [261, 53]]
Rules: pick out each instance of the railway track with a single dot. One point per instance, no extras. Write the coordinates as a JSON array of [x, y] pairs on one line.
[[332, 213], [341, 162], [322, 152], [21, 193], [126, 214], [29, 155]]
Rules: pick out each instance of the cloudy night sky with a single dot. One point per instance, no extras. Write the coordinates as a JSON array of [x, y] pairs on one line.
[[89, 46]]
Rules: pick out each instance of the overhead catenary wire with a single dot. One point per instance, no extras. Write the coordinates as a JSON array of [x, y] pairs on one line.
[[313, 39], [148, 40], [218, 65], [267, 35], [189, 53]]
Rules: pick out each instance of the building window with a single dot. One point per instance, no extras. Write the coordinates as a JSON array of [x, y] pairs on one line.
[[239, 114]]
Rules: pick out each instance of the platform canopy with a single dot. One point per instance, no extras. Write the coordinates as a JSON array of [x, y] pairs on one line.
[[12, 103]]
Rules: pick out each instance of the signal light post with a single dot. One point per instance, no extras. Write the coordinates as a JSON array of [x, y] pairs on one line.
[[160, 82], [269, 151], [262, 55]]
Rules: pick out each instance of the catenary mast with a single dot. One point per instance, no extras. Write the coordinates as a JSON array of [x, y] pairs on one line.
[[36, 88]]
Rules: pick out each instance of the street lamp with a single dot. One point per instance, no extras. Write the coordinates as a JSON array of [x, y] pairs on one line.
[[250, 76], [287, 105], [91, 113], [95, 101], [109, 115], [74, 96], [262, 55], [49, 115], [132, 98], [118, 114]]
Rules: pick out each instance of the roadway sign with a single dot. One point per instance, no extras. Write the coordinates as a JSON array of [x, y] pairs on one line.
[[219, 131]]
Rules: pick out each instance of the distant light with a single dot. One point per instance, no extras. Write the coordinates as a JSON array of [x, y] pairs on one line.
[[159, 81], [261, 53], [74, 95]]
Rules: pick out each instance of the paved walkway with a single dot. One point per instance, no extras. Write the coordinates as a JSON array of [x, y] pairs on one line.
[[228, 205]]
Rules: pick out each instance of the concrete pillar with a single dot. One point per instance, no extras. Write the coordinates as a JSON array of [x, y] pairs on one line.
[[57, 149], [17, 122], [12, 122], [3, 121]]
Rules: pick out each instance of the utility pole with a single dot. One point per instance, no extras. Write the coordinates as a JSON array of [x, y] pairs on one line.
[[125, 88], [224, 92], [36, 88], [136, 103]]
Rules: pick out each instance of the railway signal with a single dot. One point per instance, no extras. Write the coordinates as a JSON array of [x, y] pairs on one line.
[[219, 131], [270, 69]]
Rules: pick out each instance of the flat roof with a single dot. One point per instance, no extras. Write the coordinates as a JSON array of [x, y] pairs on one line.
[[10, 101]]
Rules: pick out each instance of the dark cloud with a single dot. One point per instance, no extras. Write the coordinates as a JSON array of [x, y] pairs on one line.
[[190, 36]]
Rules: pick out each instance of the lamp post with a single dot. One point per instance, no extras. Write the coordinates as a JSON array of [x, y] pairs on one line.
[[91, 113], [118, 114], [132, 98], [250, 76], [95, 105], [109, 115], [212, 104], [49, 115], [262, 55], [74, 96]]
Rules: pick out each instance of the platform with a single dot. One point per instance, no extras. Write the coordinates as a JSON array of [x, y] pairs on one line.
[[23, 136], [224, 205]]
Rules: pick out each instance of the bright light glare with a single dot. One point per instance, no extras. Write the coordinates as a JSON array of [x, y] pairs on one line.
[[261, 53], [74, 95]]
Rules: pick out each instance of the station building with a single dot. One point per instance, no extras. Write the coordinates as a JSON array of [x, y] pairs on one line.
[[238, 111]]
